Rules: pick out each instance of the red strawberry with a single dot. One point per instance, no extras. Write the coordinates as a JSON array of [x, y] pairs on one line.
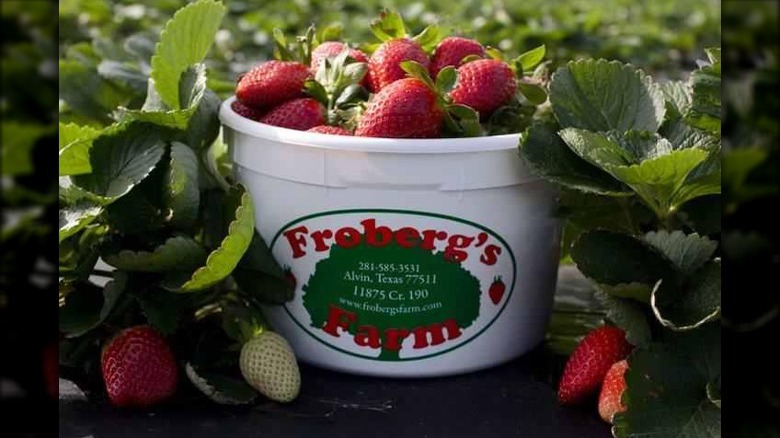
[[139, 368], [612, 390], [332, 130], [272, 83], [484, 85], [496, 290], [299, 114], [332, 48], [384, 66], [246, 111], [403, 109], [451, 51], [589, 363]]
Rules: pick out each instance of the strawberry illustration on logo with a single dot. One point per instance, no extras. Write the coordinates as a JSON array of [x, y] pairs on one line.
[[496, 290]]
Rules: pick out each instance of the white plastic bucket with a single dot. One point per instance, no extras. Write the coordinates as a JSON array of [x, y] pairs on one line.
[[412, 258]]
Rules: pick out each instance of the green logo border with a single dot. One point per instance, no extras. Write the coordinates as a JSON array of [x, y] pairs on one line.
[[412, 213]]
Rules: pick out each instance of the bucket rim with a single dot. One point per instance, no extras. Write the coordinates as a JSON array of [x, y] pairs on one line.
[[233, 120]]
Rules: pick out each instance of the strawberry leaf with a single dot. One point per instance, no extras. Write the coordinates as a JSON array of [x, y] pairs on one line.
[[446, 79], [705, 110], [687, 252], [532, 58], [532, 92], [75, 143], [415, 70], [599, 95], [389, 25], [121, 158], [162, 309], [617, 261], [220, 389], [694, 305], [547, 155], [429, 37], [74, 218], [184, 41], [181, 192], [666, 387], [86, 306], [178, 253], [629, 316], [223, 260]]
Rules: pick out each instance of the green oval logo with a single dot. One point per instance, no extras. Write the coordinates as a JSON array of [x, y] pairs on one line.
[[394, 285]]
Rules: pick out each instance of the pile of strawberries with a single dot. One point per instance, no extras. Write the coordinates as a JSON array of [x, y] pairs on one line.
[[597, 366], [409, 87]]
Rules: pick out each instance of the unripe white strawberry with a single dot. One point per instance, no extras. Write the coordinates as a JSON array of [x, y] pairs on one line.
[[268, 364]]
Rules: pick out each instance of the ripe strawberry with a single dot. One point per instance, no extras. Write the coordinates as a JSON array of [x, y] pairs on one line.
[[404, 109], [484, 85], [332, 48], [272, 83], [300, 114], [384, 65], [496, 290], [451, 51], [139, 368], [268, 364], [612, 390], [589, 363], [246, 111], [332, 130]]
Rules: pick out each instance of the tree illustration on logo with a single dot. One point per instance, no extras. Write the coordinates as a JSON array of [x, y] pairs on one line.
[[380, 303]]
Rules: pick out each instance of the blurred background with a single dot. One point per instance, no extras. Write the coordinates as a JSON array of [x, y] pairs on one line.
[[663, 37]]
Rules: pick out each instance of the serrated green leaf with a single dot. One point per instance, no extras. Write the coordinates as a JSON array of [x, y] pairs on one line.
[[658, 180], [618, 261], [18, 140], [120, 159], [534, 93], [687, 252], [429, 37], [678, 95], [178, 253], [636, 291], [162, 309], [86, 93], [705, 110], [314, 89], [87, 306], [547, 155], [738, 163], [693, 306], [532, 58], [598, 95], [415, 70], [75, 143], [181, 192], [74, 218], [682, 135], [204, 126], [154, 110], [220, 389], [184, 41], [629, 316], [124, 73], [446, 79], [223, 260], [389, 25], [666, 388]]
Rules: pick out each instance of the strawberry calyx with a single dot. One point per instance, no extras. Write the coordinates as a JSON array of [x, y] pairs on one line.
[[336, 85], [299, 51], [459, 120], [390, 25], [529, 87]]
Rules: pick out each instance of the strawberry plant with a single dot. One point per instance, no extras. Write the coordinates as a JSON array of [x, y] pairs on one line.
[[145, 188], [638, 162]]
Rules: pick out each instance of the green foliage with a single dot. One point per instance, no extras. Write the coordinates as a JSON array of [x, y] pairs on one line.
[[659, 276], [142, 187]]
